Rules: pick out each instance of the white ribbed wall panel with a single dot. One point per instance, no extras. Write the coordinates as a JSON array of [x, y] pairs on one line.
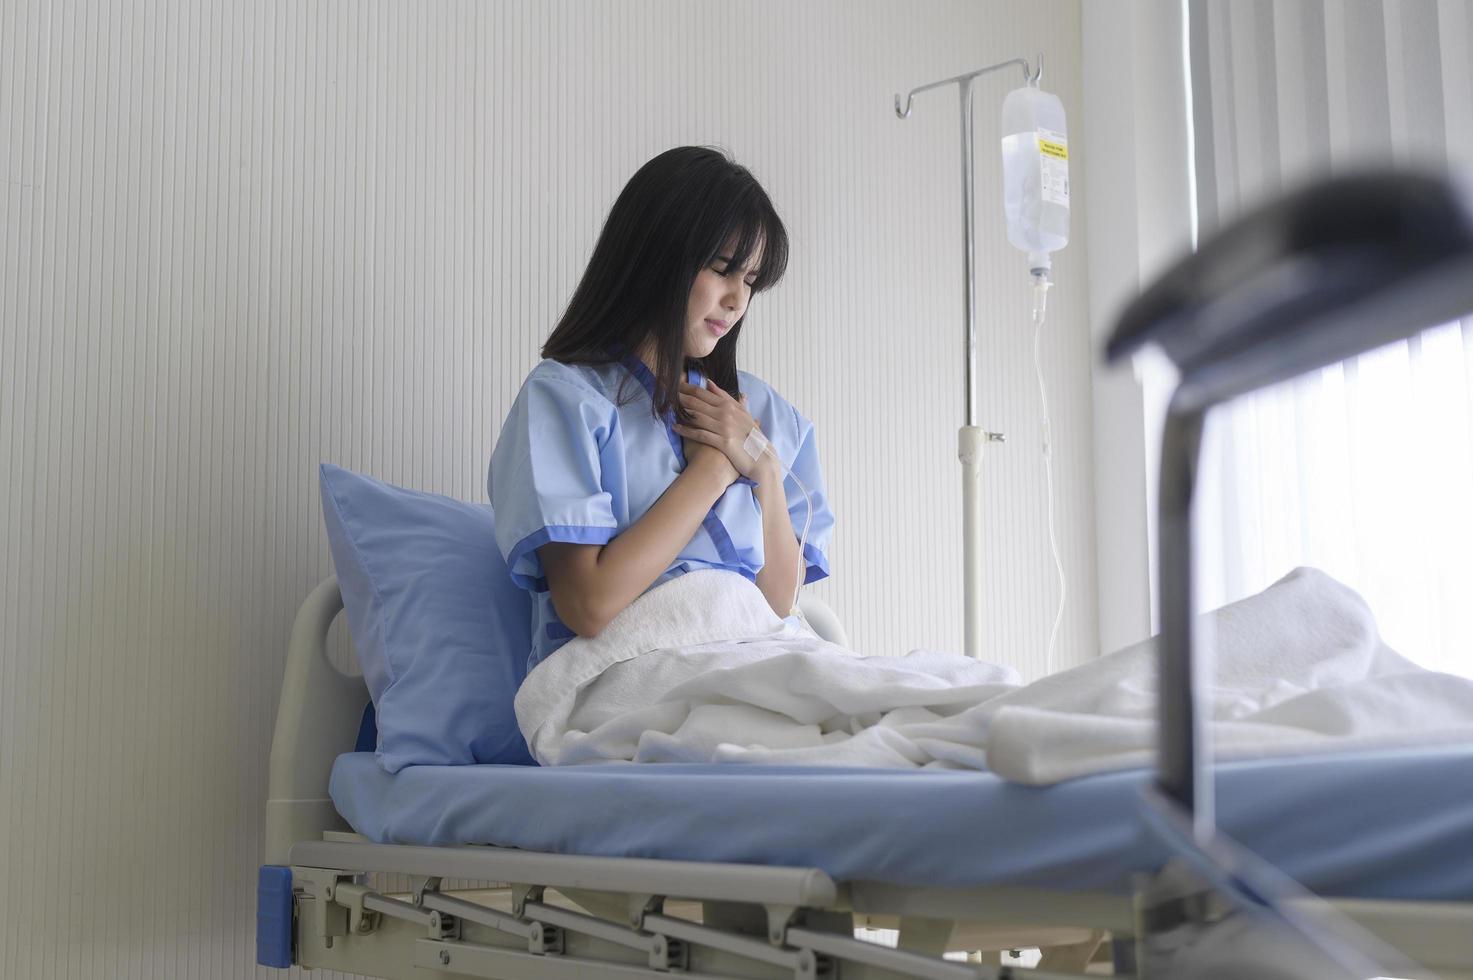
[[240, 238]]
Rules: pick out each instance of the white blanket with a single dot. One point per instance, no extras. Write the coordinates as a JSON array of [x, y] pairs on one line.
[[701, 670]]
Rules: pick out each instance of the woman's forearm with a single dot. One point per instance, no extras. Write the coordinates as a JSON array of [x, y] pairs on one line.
[[631, 562], [778, 577]]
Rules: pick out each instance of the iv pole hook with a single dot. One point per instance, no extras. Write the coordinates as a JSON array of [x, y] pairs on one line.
[[1030, 77]]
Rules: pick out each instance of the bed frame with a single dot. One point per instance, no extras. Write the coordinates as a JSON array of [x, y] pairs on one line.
[[325, 895], [616, 917]]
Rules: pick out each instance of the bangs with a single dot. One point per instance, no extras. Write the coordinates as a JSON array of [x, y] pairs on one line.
[[758, 228]]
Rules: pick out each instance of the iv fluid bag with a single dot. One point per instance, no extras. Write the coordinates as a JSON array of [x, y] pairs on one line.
[[1035, 173]]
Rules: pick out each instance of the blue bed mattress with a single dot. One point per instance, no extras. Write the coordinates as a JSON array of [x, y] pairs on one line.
[[1383, 825]]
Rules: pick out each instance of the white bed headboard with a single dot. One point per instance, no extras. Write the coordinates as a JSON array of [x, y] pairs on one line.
[[321, 709]]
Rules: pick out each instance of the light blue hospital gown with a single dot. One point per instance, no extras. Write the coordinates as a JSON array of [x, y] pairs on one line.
[[573, 465]]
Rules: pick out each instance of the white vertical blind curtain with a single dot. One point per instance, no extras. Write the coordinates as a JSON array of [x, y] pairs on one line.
[[1364, 469]]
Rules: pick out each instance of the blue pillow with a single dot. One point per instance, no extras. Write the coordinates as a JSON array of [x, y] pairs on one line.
[[441, 632]]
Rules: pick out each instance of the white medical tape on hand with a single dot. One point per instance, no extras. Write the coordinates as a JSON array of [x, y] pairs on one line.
[[756, 443]]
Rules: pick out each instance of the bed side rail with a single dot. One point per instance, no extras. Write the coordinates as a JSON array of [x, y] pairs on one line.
[[825, 621], [316, 721], [1315, 277], [1333, 270]]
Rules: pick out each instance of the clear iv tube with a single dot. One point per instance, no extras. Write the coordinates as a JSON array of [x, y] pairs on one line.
[[1040, 297], [756, 445], [802, 538]]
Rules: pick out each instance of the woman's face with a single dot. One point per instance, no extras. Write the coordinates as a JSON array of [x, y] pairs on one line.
[[718, 299]]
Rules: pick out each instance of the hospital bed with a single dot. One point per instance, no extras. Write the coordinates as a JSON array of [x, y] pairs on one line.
[[642, 871]]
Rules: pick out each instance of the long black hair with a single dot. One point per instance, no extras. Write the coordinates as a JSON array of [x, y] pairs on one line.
[[670, 222]]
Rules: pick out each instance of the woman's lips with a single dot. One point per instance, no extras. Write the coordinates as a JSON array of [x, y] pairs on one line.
[[717, 327]]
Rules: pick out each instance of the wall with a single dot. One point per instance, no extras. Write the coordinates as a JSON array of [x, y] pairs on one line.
[[1137, 127], [237, 239]]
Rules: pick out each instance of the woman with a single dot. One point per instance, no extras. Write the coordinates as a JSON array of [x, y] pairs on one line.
[[622, 463]]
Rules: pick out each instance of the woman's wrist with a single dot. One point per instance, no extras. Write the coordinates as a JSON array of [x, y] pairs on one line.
[[712, 472], [771, 496], [767, 471]]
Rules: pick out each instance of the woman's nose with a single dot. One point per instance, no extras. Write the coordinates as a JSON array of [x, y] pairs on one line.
[[736, 296]]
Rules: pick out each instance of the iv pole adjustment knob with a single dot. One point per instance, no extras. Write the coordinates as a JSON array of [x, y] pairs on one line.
[[970, 440]]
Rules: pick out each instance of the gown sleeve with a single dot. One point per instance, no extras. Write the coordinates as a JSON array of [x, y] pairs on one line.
[[806, 468], [547, 479]]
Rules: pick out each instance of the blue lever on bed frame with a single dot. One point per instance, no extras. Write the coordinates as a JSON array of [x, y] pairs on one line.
[[274, 917]]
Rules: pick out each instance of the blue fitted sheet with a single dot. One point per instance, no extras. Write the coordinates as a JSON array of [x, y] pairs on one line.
[[1372, 825]]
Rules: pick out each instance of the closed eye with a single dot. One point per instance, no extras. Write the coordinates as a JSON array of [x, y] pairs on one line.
[[751, 280], [751, 277]]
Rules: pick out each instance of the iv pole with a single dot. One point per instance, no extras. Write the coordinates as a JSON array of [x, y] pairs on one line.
[[971, 438]]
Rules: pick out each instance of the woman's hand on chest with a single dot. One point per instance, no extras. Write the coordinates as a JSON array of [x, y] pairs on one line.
[[722, 423]]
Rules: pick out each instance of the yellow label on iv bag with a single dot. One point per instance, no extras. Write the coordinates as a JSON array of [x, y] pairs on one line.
[[1053, 166]]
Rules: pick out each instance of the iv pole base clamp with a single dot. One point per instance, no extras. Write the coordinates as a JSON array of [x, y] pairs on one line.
[[971, 441]]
